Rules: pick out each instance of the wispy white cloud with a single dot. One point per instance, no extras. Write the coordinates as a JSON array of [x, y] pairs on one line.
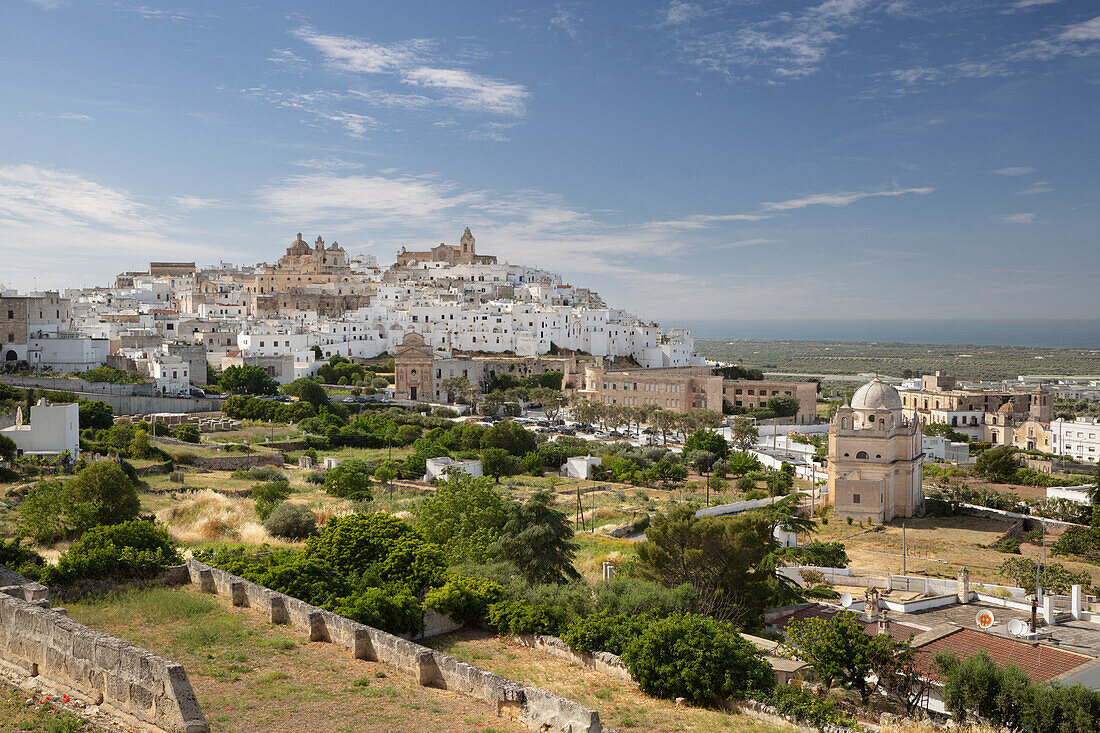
[[787, 45], [47, 4], [31, 193], [71, 116], [1037, 187], [748, 243], [181, 16], [193, 203], [1016, 218], [320, 104], [678, 13], [1028, 4], [702, 221], [326, 164], [416, 63], [565, 21], [1015, 170], [842, 198]]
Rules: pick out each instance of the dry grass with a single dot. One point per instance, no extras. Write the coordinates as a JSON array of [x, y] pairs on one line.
[[207, 516]]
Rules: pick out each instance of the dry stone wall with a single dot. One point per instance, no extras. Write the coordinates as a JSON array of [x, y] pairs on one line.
[[127, 681], [537, 709], [239, 462]]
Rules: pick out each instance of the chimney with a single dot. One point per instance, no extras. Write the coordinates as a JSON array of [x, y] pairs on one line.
[[870, 604], [964, 586], [883, 622]]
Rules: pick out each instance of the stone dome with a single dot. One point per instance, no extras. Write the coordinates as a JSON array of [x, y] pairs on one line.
[[875, 395]]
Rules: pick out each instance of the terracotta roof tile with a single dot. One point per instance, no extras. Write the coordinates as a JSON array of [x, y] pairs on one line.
[[1040, 663]]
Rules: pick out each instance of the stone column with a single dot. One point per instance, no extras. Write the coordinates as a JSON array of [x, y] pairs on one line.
[[1075, 602], [1048, 609]]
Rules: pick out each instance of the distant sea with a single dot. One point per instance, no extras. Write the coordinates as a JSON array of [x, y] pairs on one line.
[[1077, 333]]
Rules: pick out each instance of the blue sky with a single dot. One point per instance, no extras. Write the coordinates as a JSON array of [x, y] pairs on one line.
[[689, 160]]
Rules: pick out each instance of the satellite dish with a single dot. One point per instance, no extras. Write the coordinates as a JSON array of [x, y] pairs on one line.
[[1016, 627], [984, 619], [846, 600]]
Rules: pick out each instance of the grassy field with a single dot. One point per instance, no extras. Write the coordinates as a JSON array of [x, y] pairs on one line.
[[620, 704], [839, 357], [251, 676]]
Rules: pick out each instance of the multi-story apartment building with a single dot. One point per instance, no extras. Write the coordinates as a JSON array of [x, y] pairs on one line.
[[1077, 439]]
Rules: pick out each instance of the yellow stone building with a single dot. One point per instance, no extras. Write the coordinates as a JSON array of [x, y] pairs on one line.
[[875, 457]]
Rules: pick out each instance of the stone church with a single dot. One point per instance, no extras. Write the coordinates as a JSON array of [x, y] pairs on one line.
[[875, 457]]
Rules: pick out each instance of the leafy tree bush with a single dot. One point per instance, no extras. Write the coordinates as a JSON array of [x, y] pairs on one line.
[[636, 596], [720, 557], [8, 448], [266, 473], [707, 440], [538, 540], [510, 436], [839, 650], [604, 632], [249, 379], [269, 495], [22, 560], [498, 462], [101, 493], [383, 608], [349, 480], [187, 433], [379, 547], [464, 517], [466, 599], [806, 707], [132, 549], [317, 478], [96, 414], [783, 405], [820, 554], [292, 521], [697, 658], [780, 483], [308, 390], [517, 617], [997, 464]]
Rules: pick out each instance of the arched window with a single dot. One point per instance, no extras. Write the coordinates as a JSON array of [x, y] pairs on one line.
[[861, 454]]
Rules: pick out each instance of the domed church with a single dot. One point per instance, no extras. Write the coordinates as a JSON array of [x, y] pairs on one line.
[[875, 457]]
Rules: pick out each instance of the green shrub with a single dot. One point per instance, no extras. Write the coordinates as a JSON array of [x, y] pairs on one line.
[[101, 493], [265, 473], [292, 521], [187, 433], [1009, 546], [349, 480], [464, 598], [379, 547], [697, 658], [756, 494], [133, 549], [805, 707], [635, 596], [604, 632], [22, 560], [397, 612], [317, 478], [517, 617], [269, 495]]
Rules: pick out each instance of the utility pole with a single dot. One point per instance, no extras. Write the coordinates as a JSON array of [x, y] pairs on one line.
[[903, 548]]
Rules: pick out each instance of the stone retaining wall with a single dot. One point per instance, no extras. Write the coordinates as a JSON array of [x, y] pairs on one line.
[[239, 462], [537, 709], [137, 686], [603, 662]]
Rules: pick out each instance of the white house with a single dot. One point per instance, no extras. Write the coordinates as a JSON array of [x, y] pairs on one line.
[[940, 448], [580, 466], [53, 430], [439, 469], [171, 374], [1077, 439]]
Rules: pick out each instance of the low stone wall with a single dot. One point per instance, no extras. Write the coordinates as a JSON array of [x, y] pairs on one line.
[[152, 469], [131, 683], [768, 714], [603, 662], [537, 709], [239, 462]]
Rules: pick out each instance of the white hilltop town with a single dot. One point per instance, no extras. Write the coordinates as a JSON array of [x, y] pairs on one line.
[[172, 316]]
